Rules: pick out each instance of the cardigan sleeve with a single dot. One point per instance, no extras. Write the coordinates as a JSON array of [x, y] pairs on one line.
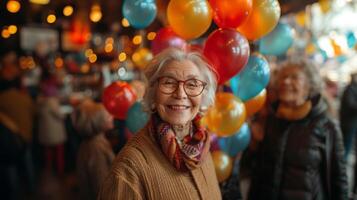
[[122, 183]]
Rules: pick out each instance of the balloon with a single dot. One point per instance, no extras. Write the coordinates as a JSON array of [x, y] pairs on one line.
[[263, 18], [351, 39], [278, 41], [189, 18], [256, 103], [228, 52], [222, 164], [230, 13], [136, 118], [226, 116], [117, 99], [139, 13], [236, 143], [325, 5], [253, 79], [141, 57], [165, 38]]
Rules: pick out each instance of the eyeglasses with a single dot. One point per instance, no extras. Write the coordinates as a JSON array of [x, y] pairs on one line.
[[192, 87]]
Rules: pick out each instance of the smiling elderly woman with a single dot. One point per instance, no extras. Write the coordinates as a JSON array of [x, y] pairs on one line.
[[169, 158]]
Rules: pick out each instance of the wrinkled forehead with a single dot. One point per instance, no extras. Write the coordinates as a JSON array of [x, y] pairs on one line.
[[181, 69]]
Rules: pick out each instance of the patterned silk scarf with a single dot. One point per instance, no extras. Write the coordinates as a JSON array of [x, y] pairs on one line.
[[186, 154]]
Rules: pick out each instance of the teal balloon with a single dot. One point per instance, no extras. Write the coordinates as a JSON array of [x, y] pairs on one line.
[[351, 39], [236, 143], [136, 118], [139, 13], [278, 41], [253, 79]]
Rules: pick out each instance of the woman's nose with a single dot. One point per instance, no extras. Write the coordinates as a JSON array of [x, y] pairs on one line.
[[180, 91]]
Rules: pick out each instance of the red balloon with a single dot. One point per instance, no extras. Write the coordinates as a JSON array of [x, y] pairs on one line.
[[230, 13], [165, 38], [117, 98], [228, 52]]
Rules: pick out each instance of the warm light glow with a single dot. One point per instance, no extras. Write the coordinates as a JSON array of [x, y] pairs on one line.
[[85, 68], [67, 11], [122, 57], [151, 36], [108, 48], [92, 58], [135, 57], [125, 22], [88, 52], [13, 6], [95, 14], [109, 40], [41, 2], [5, 33], [51, 18], [12, 29], [59, 62], [137, 39]]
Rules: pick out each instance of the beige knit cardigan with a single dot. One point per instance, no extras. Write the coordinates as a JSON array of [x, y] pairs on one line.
[[141, 171]]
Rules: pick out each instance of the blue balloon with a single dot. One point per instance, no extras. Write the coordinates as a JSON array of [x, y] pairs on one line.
[[139, 13], [278, 41], [253, 78], [136, 118], [351, 39], [238, 142]]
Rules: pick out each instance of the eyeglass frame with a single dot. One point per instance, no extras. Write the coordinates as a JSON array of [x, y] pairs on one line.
[[204, 84]]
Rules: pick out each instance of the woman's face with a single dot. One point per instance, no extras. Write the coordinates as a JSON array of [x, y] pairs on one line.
[[178, 108], [293, 86]]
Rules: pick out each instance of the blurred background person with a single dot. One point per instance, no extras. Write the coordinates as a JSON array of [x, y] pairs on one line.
[[95, 153], [17, 105], [301, 155], [51, 131]]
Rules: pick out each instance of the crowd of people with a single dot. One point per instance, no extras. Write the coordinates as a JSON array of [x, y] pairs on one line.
[[298, 150]]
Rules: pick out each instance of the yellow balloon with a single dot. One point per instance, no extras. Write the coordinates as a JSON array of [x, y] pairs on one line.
[[223, 165], [226, 116], [325, 5], [142, 57], [301, 18], [189, 18], [263, 18]]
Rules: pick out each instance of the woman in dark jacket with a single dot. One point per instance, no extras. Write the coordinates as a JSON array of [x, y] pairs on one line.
[[302, 155]]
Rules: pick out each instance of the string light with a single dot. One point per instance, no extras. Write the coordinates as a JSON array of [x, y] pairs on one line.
[[51, 18], [137, 39], [95, 14], [88, 52], [41, 2], [108, 48], [5, 33], [151, 36], [67, 10], [13, 6], [12, 29], [92, 58], [125, 22], [122, 57]]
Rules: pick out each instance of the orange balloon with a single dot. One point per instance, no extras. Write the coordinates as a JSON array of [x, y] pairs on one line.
[[226, 116], [230, 13], [223, 165], [263, 18], [189, 18], [256, 103]]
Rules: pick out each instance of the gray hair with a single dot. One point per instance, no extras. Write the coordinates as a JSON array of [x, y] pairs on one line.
[[90, 118], [160, 61], [310, 70]]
